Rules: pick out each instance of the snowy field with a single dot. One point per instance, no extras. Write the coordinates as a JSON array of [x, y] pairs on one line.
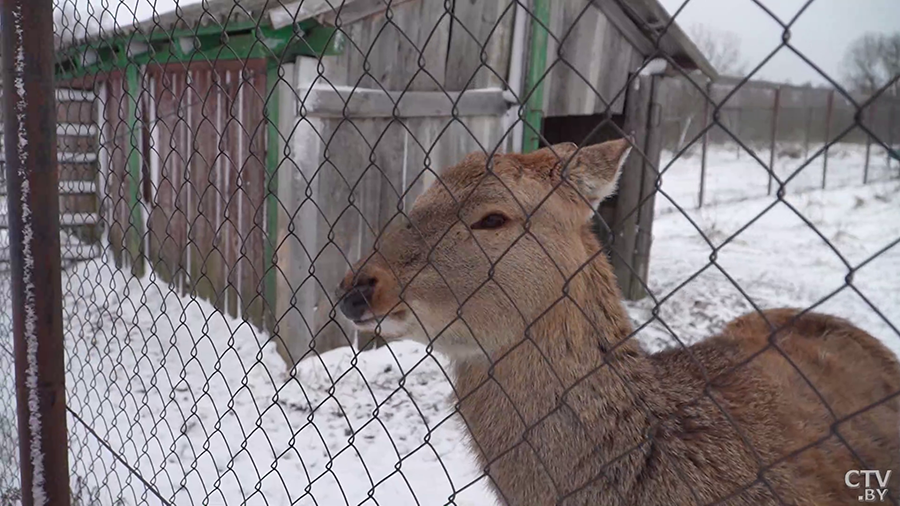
[[204, 409]]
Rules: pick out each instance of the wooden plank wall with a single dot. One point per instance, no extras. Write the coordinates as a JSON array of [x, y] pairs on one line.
[[204, 159], [114, 143], [385, 52], [589, 61]]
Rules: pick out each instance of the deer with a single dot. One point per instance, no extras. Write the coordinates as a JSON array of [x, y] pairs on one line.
[[497, 267]]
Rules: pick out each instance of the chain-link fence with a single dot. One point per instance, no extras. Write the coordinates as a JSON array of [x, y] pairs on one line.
[[298, 267]]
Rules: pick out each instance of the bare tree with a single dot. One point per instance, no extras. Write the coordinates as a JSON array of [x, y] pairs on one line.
[[722, 48], [872, 62]]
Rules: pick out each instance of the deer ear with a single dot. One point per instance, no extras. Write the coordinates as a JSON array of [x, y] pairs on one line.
[[594, 170]]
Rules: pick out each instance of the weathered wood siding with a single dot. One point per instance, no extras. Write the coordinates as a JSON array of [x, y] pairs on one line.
[[589, 61], [114, 141], [203, 161]]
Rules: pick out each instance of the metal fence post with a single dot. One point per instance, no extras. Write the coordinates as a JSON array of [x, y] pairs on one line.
[[809, 115], [135, 240], [26, 31], [870, 115], [705, 143], [828, 112], [890, 134], [775, 107], [534, 84]]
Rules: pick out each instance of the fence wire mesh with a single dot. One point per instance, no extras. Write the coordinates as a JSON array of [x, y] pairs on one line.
[[224, 164]]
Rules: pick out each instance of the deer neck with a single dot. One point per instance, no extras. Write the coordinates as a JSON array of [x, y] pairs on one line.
[[577, 390]]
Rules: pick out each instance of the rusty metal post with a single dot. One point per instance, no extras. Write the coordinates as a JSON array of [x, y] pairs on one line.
[[809, 115], [775, 107], [29, 102], [890, 134], [828, 112], [870, 115], [705, 144]]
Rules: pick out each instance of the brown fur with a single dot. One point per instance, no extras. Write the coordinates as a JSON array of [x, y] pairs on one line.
[[564, 408]]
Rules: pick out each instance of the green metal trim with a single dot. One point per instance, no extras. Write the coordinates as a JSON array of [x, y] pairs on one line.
[[534, 84], [273, 159], [244, 41], [136, 229]]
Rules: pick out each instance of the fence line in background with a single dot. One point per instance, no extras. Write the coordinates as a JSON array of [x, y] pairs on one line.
[[765, 102]]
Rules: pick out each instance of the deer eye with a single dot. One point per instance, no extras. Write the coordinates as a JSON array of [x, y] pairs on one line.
[[490, 221]]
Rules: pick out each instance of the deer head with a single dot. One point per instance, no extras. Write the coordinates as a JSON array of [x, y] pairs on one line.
[[488, 248]]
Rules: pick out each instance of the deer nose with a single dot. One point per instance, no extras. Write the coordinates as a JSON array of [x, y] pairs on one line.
[[358, 297]]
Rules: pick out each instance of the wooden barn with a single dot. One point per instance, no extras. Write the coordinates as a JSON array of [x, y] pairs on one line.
[[251, 154]]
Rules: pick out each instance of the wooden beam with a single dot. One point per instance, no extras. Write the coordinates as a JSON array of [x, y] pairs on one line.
[[339, 102], [626, 224], [70, 95], [649, 175]]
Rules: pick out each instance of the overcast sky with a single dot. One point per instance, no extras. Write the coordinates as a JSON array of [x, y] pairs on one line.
[[822, 32]]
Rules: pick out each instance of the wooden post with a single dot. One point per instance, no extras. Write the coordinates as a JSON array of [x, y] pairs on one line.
[[737, 132], [775, 107], [298, 190], [633, 220], [705, 144], [650, 172], [828, 111]]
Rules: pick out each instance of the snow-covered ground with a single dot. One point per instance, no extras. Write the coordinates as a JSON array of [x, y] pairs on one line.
[[203, 408]]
